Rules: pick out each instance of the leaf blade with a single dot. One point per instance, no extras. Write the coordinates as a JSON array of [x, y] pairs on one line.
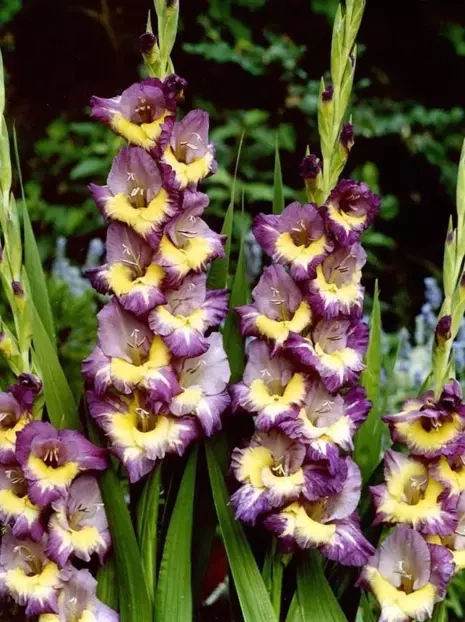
[[251, 590], [147, 520], [368, 439], [278, 191], [173, 601]]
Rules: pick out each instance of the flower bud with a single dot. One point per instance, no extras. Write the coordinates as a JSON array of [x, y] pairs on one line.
[[327, 95], [8, 347], [347, 137], [148, 47], [443, 330], [310, 170]]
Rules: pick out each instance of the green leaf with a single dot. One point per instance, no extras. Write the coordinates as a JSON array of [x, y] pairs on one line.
[[278, 192], [173, 602], [219, 270], [251, 591], [61, 407], [369, 437], [316, 599], [232, 338], [107, 584], [440, 613], [295, 612], [273, 570], [147, 520], [33, 264], [135, 602], [364, 610]]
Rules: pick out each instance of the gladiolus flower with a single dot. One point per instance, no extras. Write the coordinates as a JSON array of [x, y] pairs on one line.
[[16, 509]]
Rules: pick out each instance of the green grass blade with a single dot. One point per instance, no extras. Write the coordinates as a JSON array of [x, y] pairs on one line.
[[369, 438], [219, 270], [61, 407], [316, 599], [232, 338], [278, 192], [134, 600], [440, 613], [33, 264], [107, 584], [272, 573], [295, 612], [173, 602], [364, 611], [147, 520], [251, 591]]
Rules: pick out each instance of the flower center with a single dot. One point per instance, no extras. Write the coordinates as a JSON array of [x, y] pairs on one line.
[[414, 490], [280, 302], [134, 346], [18, 483], [146, 420], [194, 142], [300, 235], [434, 424], [407, 578], [143, 113], [33, 562], [132, 261], [8, 420], [316, 509]]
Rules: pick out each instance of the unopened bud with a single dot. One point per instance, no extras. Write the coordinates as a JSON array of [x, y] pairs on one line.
[[18, 290], [148, 47], [310, 170], [175, 87], [7, 346], [327, 94], [443, 330], [347, 137]]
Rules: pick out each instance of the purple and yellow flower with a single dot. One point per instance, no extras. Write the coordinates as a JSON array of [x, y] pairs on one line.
[[271, 388], [329, 523], [336, 289], [278, 308], [51, 459], [189, 311], [78, 601], [408, 576], [189, 154], [78, 525], [450, 472], [28, 576], [203, 381], [136, 194], [327, 422], [455, 541], [129, 272], [334, 349], [13, 418], [129, 356], [432, 428], [412, 497], [296, 237], [272, 472], [188, 244], [16, 509], [138, 433], [143, 114], [350, 209]]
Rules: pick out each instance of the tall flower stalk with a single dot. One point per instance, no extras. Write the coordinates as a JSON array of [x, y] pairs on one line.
[[300, 383], [423, 496]]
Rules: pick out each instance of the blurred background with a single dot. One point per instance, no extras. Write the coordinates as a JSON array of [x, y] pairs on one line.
[[255, 66]]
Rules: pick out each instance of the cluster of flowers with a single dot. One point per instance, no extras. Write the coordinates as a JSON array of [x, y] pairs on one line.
[[424, 496], [157, 381], [300, 380], [52, 512]]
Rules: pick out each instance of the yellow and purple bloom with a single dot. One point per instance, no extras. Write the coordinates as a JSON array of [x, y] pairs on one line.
[[327, 422], [278, 308], [336, 289], [432, 428], [29, 577], [188, 244], [188, 312], [203, 381], [144, 113], [349, 210], [15, 413], [334, 349], [411, 496], [16, 509], [272, 472], [129, 272], [271, 388], [129, 356], [408, 576], [189, 154], [78, 525], [51, 459], [137, 194], [455, 541], [140, 434], [77, 601], [450, 472], [296, 238], [329, 523]]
